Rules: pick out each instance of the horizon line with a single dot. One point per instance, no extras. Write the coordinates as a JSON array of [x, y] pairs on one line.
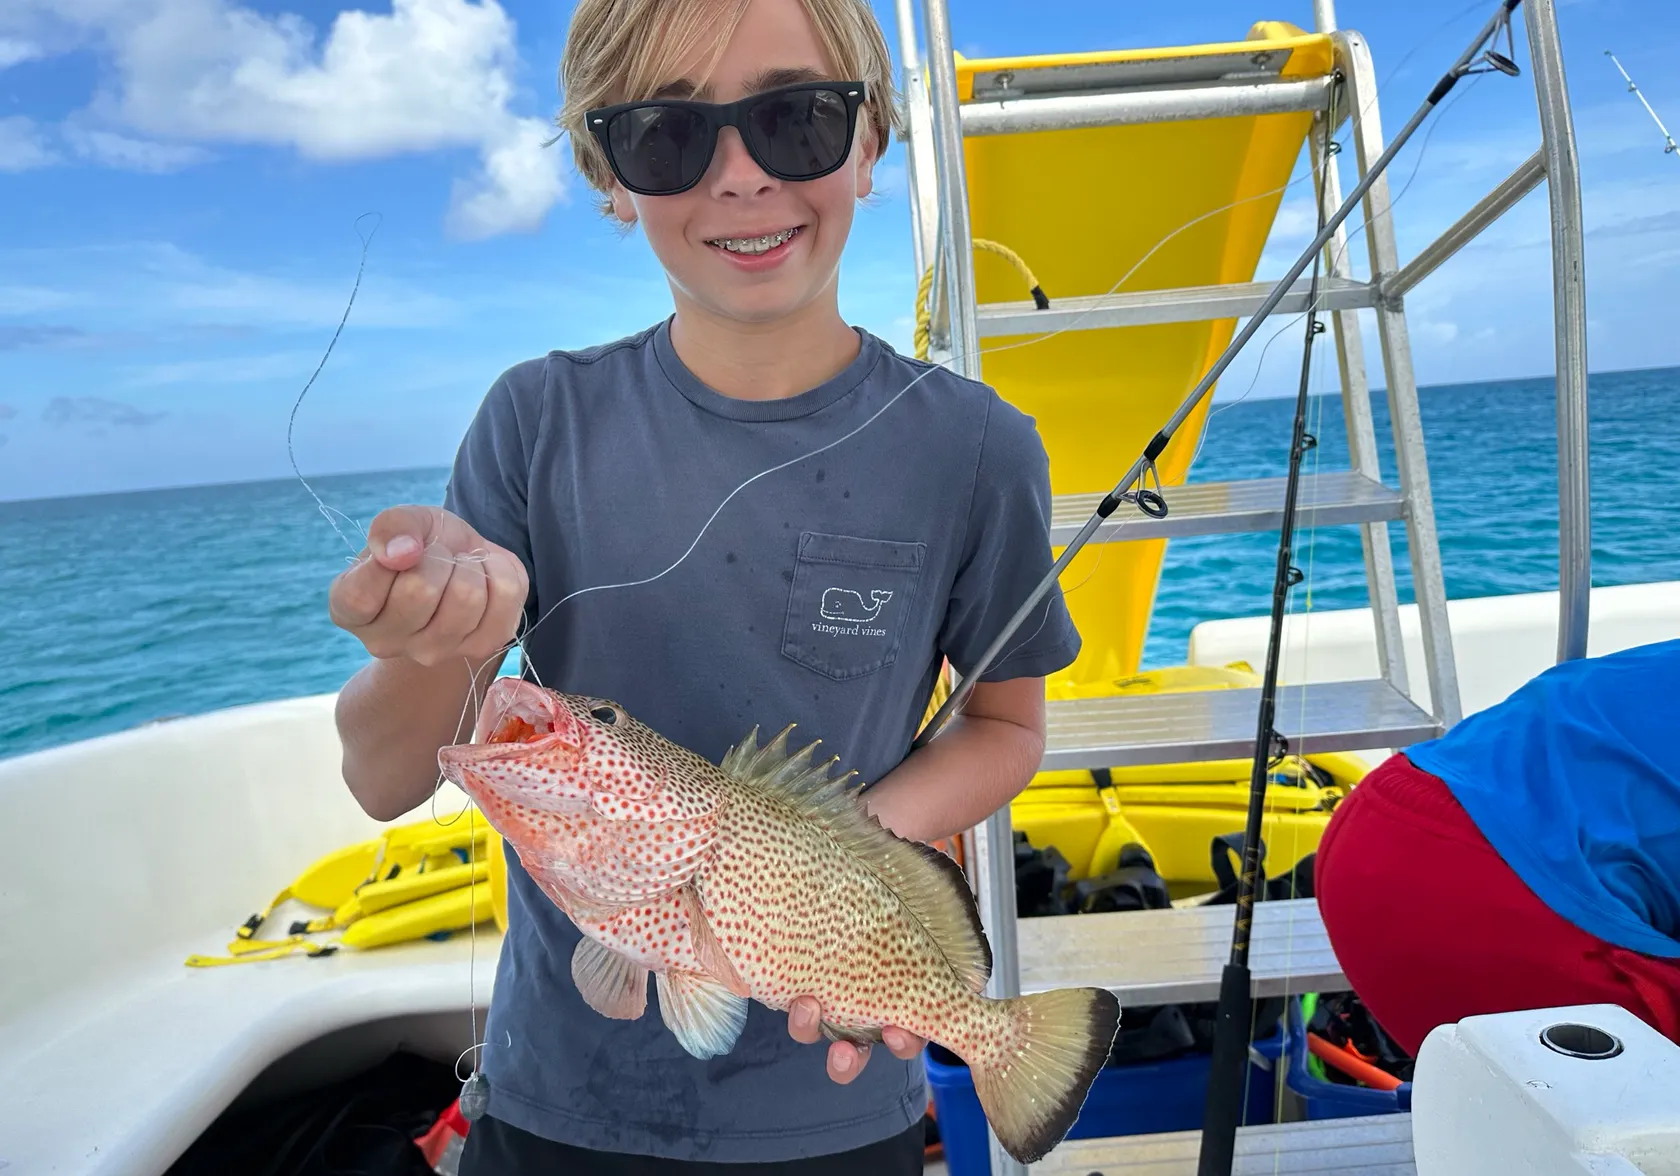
[[1374, 390]]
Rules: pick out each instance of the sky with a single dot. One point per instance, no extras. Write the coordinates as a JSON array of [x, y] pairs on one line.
[[182, 183]]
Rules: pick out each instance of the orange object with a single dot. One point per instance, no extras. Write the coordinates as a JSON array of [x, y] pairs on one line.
[[1350, 1065], [441, 1145]]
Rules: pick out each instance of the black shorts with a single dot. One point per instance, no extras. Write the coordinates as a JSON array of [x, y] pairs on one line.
[[495, 1149]]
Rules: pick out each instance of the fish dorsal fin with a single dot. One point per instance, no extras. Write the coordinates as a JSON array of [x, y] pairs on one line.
[[929, 883]]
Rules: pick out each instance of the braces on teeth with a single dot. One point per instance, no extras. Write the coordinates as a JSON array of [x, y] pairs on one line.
[[754, 244]]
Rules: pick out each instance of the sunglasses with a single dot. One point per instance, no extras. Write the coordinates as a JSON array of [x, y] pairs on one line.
[[663, 146]]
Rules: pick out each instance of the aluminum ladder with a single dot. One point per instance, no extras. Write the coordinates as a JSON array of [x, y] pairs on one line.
[[1154, 957]]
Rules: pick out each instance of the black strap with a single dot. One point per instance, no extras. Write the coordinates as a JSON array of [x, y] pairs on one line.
[[1227, 846]]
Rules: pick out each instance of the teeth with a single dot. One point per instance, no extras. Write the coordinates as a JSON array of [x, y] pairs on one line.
[[754, 244]]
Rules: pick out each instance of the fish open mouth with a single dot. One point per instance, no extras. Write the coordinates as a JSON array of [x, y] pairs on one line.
[[515, 711], [519, 729], [515, 718]]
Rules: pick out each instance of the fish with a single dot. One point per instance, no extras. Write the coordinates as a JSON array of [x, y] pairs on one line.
[[763, 877]]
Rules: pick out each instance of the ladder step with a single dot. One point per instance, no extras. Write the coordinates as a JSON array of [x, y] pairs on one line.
[[1122, 731], [1173, 955], [1182, 305], [1366, 1145], [1212, 508]]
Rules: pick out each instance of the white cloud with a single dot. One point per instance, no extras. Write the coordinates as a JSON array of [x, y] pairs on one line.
[[151, 286], [223, 370], [427, 75], [22, 146], [890, 180], [516, 186], [121, 151], [14, 50], [1296, 220]]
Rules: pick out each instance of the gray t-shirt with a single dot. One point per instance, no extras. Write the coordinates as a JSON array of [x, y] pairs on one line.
[[824, 594]]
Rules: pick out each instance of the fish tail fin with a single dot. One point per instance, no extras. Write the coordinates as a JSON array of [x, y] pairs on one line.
[[1063, 1038]]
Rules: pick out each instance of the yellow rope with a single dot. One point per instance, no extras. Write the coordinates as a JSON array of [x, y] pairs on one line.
[[924, 317]]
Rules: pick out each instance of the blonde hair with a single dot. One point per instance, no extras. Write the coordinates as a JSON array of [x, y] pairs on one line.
[[624, 50]]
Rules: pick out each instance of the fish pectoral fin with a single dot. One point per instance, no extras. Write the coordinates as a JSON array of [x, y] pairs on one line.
[[708, 950], [611, 983], [706, 1017]]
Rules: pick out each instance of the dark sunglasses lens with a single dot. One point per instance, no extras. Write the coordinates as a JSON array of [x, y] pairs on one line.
[[659, 148], [802, 133]]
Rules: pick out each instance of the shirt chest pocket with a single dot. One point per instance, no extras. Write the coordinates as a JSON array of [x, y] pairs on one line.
[[850, 602]]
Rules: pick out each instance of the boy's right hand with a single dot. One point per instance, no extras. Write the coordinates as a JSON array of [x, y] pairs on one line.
[[431, 589]]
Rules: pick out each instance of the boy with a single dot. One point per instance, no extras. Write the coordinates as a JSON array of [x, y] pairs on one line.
[[1529, 858], [823, 594]]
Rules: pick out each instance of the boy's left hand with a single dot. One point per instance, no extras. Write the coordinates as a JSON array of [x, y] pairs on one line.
[[846, 1061]]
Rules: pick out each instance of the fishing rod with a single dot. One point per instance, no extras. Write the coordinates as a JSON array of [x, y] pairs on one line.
[[1234, 1013], [1640, 94], [1234, 1016], [1145, 500]]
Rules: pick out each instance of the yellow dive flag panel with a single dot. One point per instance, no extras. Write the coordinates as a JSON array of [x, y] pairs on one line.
[[1082, 207]]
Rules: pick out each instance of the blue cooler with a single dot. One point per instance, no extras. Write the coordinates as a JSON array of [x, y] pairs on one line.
[[1135, 1099]]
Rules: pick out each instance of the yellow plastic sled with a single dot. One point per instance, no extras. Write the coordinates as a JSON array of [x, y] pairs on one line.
[[413, 881], [1081, 208], [1175, 811]]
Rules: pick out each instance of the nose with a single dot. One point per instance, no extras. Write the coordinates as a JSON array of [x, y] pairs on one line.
[[735, 172]]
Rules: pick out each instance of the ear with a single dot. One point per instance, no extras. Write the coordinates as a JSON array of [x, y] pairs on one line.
[[623, 205], [868, 152]]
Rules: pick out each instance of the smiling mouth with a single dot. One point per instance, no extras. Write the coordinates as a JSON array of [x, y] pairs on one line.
[[753, 245]]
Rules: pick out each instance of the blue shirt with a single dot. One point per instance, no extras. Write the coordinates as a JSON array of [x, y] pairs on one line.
[[824, 594], [1575, 781]]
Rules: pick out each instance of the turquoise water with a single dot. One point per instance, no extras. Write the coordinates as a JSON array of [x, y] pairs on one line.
[[121, 609]]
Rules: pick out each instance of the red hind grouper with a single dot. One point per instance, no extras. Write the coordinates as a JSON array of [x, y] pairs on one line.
[[762, 877]]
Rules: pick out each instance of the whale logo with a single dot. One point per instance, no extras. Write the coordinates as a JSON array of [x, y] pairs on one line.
[[842, 604]]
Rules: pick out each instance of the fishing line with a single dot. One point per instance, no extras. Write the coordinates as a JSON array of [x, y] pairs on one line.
[[1461, 68], [327, 512], [1339, 253], [1355, 119], [943, 365], [474, 1088], [1234, 1027], [1301, 710], [1316, 430]]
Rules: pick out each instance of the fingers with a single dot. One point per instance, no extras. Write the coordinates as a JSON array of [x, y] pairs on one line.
[[430, 589], [359, 593], [804, 1020], [846, 1061], [399, 534], [902, 1044], [410, 604], [508, 587], [457, 612], [396, 542]]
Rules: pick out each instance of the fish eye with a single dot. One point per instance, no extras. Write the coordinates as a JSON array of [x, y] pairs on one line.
[[606, 714]]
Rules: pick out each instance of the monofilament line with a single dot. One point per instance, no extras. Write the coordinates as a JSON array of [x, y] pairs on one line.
[[326, 511]]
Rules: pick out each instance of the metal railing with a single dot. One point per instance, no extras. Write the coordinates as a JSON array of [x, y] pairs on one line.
[[943, 238]]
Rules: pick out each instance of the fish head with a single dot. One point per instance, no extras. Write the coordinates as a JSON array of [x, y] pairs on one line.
[[538, 752]]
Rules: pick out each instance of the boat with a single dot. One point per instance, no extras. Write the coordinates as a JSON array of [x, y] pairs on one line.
[[142, 850]]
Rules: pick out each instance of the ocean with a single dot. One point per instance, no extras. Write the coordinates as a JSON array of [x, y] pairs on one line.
[[126, 608]]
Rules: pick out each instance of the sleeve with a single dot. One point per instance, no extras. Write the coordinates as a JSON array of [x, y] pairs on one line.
[[490, 479], [1006, 553]]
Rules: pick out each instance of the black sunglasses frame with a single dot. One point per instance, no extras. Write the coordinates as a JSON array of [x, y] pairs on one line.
[[714, 116]]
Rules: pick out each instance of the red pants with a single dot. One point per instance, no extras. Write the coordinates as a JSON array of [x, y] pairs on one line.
[[1431, 926]]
